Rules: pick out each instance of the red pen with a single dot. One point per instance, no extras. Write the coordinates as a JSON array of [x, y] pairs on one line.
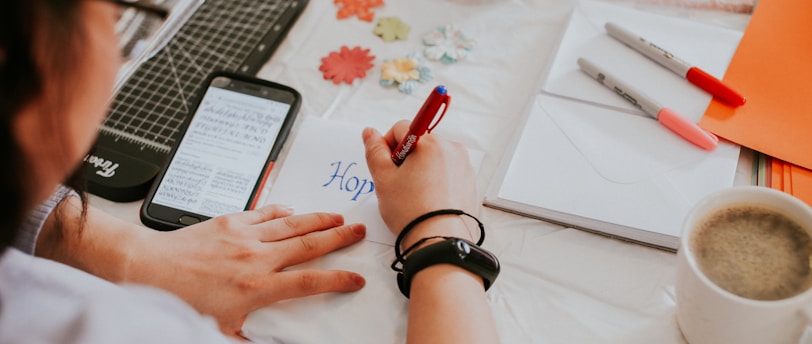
[[422, 122], [696, 76]]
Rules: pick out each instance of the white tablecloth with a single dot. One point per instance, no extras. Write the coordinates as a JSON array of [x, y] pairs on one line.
[[558, 285]]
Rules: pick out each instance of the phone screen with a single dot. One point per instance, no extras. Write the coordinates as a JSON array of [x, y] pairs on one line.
[[225, 148]]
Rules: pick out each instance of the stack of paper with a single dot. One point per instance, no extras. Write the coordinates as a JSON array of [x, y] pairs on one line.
[[772, 68], [738, 6], [587, 158], [790, 178], [782, 176]]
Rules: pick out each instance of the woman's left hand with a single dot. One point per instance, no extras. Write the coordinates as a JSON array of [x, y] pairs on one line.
[[225, 267]]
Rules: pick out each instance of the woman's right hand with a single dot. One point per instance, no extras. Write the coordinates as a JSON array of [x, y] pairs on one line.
[[437, 174]]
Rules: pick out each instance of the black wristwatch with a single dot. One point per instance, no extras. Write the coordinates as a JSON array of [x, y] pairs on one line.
[[455, 251]]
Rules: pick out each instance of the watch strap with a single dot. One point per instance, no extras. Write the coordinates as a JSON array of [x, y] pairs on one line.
[[455, 251]]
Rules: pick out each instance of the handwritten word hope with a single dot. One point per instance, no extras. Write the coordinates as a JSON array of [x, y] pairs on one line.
[[351, 183]]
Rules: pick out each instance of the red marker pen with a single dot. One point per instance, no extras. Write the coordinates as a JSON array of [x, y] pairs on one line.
[[424, 122], [694, 75]]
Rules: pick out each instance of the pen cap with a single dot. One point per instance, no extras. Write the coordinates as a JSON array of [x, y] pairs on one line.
[[427, 115], [714, 86], [687, 129]]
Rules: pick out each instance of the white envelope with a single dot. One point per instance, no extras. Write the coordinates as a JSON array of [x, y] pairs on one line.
[[626, 148], [551, 177], [706, 46], [587, 158]]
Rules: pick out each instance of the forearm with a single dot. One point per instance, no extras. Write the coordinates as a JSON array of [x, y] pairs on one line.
[[447, 302], [103, 245], [448, 305], [225, 267]]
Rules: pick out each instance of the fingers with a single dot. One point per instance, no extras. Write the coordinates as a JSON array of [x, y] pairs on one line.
[[262, 214], [300, 283], [397, 133], [273, 211], [378, 150], [296, 225], [316, 244]]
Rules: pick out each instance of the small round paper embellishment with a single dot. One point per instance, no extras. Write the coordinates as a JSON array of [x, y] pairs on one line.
[[346, 65], [448, 44], [407, 72], [391, 28]]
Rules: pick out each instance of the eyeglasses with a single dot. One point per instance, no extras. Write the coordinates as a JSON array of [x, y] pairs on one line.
[[138, 21], [144, 6]]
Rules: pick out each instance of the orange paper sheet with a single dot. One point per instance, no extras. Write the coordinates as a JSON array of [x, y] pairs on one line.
[[792, 179], [801, 183], [777, 174], [772, 67]]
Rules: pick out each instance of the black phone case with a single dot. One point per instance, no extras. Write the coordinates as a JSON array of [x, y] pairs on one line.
[[164, 225]]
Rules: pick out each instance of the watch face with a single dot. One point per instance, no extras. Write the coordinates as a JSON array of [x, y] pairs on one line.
[[463, 247]]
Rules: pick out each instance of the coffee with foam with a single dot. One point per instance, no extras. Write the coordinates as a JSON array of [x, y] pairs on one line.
[[754, 252]]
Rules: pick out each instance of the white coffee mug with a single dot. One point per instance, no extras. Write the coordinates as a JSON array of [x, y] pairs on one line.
[[706, 313]]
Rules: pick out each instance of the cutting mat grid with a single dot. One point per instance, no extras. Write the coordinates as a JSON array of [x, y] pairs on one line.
[[154, 101]]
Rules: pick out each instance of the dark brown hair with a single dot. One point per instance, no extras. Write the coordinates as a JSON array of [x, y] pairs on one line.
[[40, 44]]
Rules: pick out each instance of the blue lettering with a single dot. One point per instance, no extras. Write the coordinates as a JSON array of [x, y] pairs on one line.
[[351, 184]]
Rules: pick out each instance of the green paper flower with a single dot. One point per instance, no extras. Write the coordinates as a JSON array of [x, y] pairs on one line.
[[391, 28]]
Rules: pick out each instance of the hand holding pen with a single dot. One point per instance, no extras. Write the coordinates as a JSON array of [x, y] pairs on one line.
[[424, 122], [439, 174]]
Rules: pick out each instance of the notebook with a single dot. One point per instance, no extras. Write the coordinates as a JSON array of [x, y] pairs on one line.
[[153, 98], [586, 158]]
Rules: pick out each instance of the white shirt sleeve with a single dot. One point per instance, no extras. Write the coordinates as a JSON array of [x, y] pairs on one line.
[[42, 301], [32, 225]]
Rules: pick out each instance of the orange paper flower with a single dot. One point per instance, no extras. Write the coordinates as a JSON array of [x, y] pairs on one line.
[[346, 65], [406, 72], [360, 8]]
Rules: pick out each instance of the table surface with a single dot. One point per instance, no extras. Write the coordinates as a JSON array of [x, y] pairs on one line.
[[558, 285]]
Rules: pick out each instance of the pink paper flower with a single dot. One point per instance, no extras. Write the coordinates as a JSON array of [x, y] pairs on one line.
[[448, 44]]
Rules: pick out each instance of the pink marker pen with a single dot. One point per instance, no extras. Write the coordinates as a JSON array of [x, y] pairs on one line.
[[667, 117]]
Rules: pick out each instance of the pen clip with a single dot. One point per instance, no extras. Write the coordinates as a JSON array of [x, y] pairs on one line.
[[446, 101]]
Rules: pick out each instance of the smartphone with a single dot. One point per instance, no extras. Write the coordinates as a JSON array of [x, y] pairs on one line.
[[225, 151]]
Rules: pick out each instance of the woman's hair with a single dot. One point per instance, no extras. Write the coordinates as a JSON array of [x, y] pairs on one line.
[[40, 45]]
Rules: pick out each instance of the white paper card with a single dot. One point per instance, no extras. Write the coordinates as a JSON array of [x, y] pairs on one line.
[[326, 171]]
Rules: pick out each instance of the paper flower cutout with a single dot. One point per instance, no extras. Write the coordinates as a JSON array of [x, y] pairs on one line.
[[391, 28], [346, 65], [447, 44], [407, 72], [360, 8]]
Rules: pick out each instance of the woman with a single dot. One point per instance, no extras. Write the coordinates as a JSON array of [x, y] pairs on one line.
[[58, 62]]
